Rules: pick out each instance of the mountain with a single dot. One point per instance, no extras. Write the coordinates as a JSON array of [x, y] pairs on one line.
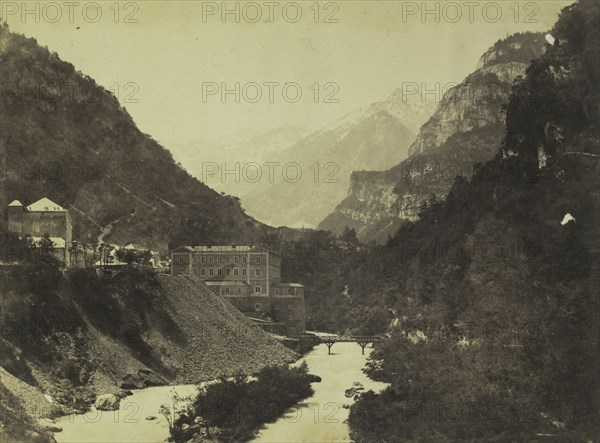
[[462, 132], [320, 164], [243, 147], [64, 137], [492, 294]]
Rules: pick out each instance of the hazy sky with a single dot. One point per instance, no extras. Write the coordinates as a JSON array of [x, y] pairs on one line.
[[177, 48]]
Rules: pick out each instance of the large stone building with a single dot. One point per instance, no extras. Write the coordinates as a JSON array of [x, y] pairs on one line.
[[249, 277], [44, 217]]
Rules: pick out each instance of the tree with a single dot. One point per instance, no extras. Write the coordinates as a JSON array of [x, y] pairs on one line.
[[349, 235]]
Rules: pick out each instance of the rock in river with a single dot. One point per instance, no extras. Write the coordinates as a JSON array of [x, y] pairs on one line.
[[107, 402]]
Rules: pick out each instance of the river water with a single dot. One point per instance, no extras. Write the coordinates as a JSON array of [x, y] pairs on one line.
[[321, 418], [128, 424]]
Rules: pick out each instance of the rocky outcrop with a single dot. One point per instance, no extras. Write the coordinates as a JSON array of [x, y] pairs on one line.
[[142, 379], [49, 425], [465, 129], [108, 402]]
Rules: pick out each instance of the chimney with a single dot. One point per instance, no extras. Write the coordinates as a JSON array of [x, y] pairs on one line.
[[15, 217]]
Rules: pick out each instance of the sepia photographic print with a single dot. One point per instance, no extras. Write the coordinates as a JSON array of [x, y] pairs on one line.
[[370, 221]]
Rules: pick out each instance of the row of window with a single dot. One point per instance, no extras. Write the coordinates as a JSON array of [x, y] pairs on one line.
[[40, 226], [224, 259], [228, 291], [289, 291], [258, 290], [228, 271]]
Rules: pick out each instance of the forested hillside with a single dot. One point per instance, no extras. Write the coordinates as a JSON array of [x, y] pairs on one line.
[[64, 137], [463, 131], [494, 292]]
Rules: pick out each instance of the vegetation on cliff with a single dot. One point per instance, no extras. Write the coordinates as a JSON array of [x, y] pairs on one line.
[[495, 289], [71, 140], [463, 131]]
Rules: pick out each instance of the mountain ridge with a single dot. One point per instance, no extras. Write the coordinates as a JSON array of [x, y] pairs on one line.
[[335, 151], [465, 129], [78, 146]]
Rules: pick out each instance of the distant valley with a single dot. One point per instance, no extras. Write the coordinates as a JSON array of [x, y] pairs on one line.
[[316, 164]]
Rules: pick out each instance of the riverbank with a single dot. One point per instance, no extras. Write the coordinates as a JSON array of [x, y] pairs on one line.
[[129, 424], [323, 417]]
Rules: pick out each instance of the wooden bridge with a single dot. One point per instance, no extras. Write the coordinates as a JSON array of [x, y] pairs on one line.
[[330, 340]]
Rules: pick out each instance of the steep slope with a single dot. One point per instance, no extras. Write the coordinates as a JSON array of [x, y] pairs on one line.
[[375, 137], [494, 291], [463, 131], [64, 137], [79, 335]]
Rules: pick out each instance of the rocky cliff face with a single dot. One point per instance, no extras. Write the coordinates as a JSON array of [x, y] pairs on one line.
[[465, 129], [375, 137]]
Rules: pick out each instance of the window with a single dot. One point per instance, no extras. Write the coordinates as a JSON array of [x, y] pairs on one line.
[[220, 259], [276, 307], [181, 260], [257, 306], [203, 272], [290, 307], [239, 290], [290, 317], [220, 272], [239, 302], [276, 291], [258, 259], [244, 272], [236, 272], [257, 272], [180, 271], [210, 259], [211, 272], [227, 272], [36, 227], [257, 289], [203, 260], [226, 290]]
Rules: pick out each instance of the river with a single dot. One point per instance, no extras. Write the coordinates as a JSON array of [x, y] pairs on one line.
[[321, 418], [128, 424]]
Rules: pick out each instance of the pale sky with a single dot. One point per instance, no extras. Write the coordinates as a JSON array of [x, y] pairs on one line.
[[174, 49]]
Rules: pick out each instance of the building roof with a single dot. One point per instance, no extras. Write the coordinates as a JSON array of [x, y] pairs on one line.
[[57, 242], [288, 285], [219, 248], [15, 203], [45, 205]]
